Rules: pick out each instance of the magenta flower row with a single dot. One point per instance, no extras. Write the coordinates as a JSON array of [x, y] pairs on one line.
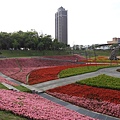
[[104, 107], [3, 80], [19, 68], [35, 107]]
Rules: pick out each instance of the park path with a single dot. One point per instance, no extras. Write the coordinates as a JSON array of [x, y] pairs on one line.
[[64, 81], [41, 87]]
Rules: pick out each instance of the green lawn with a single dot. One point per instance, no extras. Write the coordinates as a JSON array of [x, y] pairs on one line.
[[80, 70], [2, 86], [103, 81], [30, 53], [23, 89], [6, 115]]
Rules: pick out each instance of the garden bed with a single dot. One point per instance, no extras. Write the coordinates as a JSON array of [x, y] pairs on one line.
[[35, 107], [98, 99]]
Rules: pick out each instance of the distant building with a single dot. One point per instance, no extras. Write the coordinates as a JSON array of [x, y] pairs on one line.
[[114, 41], [61, 32]]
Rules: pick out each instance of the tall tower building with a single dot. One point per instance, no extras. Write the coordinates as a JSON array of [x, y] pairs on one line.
[[61, 25]]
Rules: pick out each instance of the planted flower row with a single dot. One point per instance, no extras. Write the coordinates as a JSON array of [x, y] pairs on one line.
[[67, 57], [6, 81], [83, 69], [50, 73], [8, 63], [102, 100], [19, 68], [104, 107], [35, 107]]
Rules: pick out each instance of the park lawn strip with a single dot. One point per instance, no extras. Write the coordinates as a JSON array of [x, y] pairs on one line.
[[102, 81], [2, 86], [23, 89], [81, 70], [6, 115]]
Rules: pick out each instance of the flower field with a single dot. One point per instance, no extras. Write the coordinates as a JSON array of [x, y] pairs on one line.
[[90, 94], [19, 68], [51, 73], [68, 58], [39, 69], [35, 107], [32, 106], [6, 81]]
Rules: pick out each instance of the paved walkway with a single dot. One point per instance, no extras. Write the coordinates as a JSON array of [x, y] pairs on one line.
[[41, 87], [64, 81]]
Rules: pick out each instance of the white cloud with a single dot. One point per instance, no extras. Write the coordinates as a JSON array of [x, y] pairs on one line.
[[89, 21]]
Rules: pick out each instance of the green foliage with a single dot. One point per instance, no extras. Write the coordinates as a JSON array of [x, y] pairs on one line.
[[30, 39], [2, 86], [80, 70], [23, 89], [103, 81], [6, 115], [29, 53]]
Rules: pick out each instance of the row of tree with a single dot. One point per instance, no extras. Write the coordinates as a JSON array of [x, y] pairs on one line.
[[29, 40]]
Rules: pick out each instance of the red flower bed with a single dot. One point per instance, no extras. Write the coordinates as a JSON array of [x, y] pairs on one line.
[[19, 68], [85, 91], [50, 73], [100, 100]]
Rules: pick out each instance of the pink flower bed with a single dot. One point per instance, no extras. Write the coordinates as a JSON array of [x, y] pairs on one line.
[[35, 107], [106, 101], [8, 63], [67, 57], [6, 81], [19, 68], [104, 107], [40, 62], [9, 71], [50, 73], [22, 75]]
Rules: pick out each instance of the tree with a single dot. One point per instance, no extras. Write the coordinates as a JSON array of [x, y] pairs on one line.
[[15, 44], [40, 46], [47, 41]]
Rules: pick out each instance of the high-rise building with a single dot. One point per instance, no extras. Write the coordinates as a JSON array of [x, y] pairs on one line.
[[61, 25]]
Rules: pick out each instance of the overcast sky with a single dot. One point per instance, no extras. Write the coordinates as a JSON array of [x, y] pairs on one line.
[[89, 21]]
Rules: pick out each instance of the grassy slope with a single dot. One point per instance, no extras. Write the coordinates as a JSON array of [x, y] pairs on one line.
[[30, 53]]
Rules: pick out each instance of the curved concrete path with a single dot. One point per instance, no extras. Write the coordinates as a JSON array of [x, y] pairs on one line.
[[41, 87], [64, 81]]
